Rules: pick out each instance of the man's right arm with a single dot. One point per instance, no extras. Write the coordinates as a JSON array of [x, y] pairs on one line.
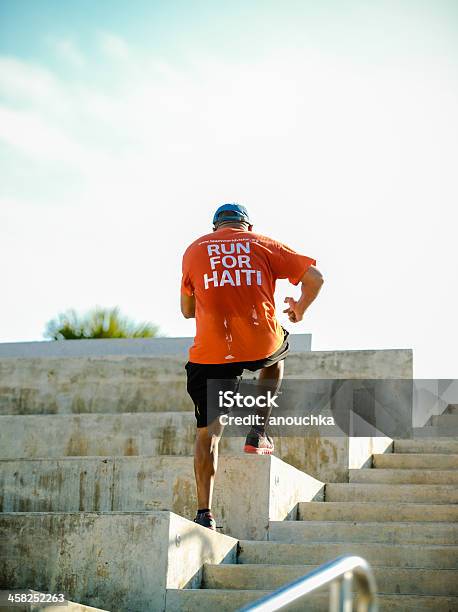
[[311, 284], [188, 306], [188, 300]]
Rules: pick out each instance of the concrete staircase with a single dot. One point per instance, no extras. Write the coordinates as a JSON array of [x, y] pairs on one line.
[[401, 515], [93, 500]]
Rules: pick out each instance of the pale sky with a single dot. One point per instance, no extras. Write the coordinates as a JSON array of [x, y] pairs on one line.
[[124, 125]]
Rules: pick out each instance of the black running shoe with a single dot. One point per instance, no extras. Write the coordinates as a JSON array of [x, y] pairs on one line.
[[206, 520], [258, 444]]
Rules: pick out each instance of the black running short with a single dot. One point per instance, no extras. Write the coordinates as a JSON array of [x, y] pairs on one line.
[[199, 373]]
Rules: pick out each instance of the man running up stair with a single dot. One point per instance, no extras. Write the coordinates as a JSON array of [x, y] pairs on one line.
[[228, 285]]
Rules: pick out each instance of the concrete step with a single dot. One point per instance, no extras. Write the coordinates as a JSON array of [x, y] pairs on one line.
[[160, 396], [159, 433], [351, 531], [270, 488], [416, 581], [115, 561], [434, 445], [413, 461], [228, 600], [114, 384], [137, 382], [445, 420], [393, 476], [162, 433], [430, 494], [392, 555], [376, 511], [434, 432]]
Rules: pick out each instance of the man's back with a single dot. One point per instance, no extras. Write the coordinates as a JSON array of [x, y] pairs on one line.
[[228, 285], [232, 274]]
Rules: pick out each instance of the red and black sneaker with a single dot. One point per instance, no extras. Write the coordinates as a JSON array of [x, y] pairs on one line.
[[206, 520], [259, 444]]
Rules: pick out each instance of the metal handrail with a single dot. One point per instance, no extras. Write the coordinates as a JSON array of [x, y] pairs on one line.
[[339, 574]]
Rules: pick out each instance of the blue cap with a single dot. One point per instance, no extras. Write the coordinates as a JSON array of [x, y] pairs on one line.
[[240, 213]]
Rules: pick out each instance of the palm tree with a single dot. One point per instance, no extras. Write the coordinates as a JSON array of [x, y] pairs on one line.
[[97, 323]]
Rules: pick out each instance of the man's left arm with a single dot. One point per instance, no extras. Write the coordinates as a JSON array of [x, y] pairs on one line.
[[311, 283]]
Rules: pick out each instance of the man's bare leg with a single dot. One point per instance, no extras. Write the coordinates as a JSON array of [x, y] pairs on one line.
[[207, 439], [269, 380], [257, 440], [206, 462], [273, 375]]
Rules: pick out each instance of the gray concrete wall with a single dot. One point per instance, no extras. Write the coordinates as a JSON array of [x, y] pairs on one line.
[[97, 434], [369, 364], [115, 561], [92, 385], [325, 458], [144, 347], [143, 384], [267, 488], [96, 400]]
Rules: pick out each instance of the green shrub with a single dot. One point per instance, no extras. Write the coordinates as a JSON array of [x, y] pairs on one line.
[[97, 323]]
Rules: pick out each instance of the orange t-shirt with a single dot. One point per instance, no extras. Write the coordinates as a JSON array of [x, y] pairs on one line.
[[232, 274]]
